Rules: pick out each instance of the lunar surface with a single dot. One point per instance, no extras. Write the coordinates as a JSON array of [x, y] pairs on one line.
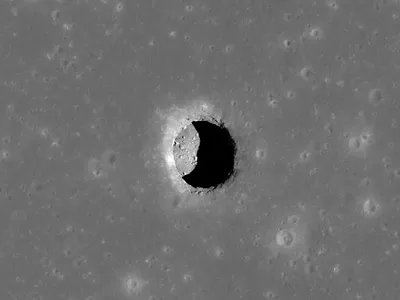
[[199, 150]]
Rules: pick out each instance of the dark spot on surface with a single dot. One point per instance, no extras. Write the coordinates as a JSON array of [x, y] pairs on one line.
[[315, 33], [6, 140], [287, 17], [206, 156], [112, 158], [289, 45]]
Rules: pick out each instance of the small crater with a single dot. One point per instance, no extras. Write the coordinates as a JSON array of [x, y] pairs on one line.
[[94, 169], [218, 252], [130, 284], [307, 73], [314, 33], [269, 295], [336, 269], [285, 238], [332, 4], [167, 250], [376, 97], [187, 277], [229, 49], [396, 173]]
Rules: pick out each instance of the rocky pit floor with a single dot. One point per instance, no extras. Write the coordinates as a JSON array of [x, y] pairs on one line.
[[91, 94]]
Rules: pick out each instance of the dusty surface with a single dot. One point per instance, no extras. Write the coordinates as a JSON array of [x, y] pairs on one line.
[[89, 92]]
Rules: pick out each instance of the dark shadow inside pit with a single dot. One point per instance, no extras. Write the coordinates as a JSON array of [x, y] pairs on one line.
[[215, 156]]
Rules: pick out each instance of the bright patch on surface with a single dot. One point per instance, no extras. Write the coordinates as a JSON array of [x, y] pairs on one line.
[[128, 284], [359, 139], [94, 170], [285, 238], [369, 206], [289, 235], [289, 241], [131, 284]]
